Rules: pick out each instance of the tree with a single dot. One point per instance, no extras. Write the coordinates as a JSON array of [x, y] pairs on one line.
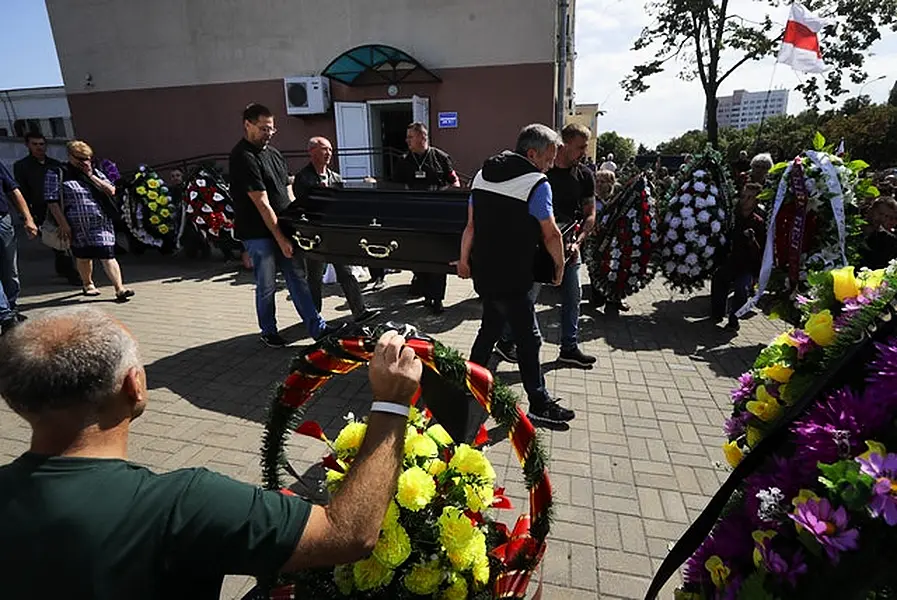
[[892, 99], [690, 142], [713, 43], [610, 142], [870, 134], [855, 105]]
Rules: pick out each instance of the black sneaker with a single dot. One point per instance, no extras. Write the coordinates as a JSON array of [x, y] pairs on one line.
[[733, 324], [576, 357], [507, 352], [366, 316], [274, 340], [436, 307], [7, 325], [550, 413], [378, 284]]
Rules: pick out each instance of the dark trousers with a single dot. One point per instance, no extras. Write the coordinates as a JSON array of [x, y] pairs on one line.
[[724, 280], [377, 272], [351, 289], [430, 285], [63, 263], [519, 312]]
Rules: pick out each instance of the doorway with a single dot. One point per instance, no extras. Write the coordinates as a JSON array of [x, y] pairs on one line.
[[389, 123]]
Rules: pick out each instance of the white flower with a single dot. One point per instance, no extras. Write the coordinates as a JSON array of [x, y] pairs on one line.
[[632, 213], [686, 212], [635, 226], [691, 236], [636, 253], [666, 253], [722, 214], [685, 186], [722, 239], [704, 216], [699, 173], [636, 267], [680, 249], [655, 238], [700, 203], [683, 269], [193, 194], [711, 201], [690, 223], [700, 187], [695, 271], [670, 267], [201, 183], [685, 199], [615, 253], [614, 265], [702, 240], [709, 251], [218, 197], [636, 240], [715, 226], [675, 222], [672, 235], [714, 190], [667, 217], [612, 276], [691, 259]]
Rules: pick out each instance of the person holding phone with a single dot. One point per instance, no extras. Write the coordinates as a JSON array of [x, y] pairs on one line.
[[510, 209]]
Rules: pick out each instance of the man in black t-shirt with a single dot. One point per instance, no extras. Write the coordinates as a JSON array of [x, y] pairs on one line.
[[80, 521], [573, 198], [424, 167], [260, 187]]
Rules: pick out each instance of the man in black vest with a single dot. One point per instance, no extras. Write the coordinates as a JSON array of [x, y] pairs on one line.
[[425, 167], [510, 211]]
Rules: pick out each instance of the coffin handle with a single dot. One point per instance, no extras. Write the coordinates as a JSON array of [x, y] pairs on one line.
[[378, 250], [308, 244]]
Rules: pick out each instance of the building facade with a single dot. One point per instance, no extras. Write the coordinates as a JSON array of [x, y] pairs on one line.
[[587, 114], [743, 109], [43, 109], [166, 80]]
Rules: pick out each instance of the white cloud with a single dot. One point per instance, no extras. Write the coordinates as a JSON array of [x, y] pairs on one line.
[[605, 32]]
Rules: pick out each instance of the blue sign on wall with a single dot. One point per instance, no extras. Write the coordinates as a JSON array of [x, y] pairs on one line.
[[448, 120]]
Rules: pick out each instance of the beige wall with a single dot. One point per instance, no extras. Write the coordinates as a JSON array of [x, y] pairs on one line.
[[134, 44]]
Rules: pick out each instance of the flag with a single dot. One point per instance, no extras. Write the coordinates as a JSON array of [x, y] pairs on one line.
[[800, 45], [842, 150]]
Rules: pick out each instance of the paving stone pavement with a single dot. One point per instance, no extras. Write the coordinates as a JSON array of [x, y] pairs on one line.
[[639, 463]]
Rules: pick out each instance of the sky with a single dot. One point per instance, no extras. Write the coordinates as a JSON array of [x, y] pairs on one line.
[[605, 32]]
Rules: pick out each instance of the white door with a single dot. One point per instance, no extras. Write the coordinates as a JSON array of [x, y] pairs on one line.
[[353, 139], [420, 110]]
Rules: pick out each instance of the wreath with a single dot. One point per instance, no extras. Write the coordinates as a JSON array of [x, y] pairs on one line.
[[618, 256], [149, 211], [438, 539], [697, 222], [813, 224], [109, 169], [208, 205], [811, 507]]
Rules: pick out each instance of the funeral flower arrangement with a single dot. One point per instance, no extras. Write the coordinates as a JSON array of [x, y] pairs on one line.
[[697, 223], [814, 516], [813, 223], [208, 205], [109, 169], [439, 538], [148, 209], [619, 255]]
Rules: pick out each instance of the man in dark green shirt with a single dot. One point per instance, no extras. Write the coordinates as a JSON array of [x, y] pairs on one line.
[[77, 520]]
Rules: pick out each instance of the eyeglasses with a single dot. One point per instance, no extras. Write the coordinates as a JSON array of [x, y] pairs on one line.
[[82, 158], [266, 128]]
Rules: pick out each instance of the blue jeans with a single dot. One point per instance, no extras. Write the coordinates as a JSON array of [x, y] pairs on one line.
[[267, 259], [571, 298], [9, 269]]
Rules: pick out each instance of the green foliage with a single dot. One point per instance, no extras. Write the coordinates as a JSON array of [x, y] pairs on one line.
[[610, 142], [818, 142], [753, 588], [846, 484]]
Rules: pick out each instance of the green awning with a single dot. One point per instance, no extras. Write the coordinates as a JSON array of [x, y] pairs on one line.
[[376, 64]]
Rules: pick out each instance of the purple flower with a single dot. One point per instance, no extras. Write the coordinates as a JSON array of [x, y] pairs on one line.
[[737, 425], [884, 470], [778, 565], [803, 300], [731, 541], [782, 478], [802, 342], [745, 389], [835, 428], [882, 378], [827, 525]]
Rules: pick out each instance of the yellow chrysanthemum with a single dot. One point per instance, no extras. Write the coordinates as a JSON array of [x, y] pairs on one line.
[[481, 570], [152, 194], [392, 515], [472, 462], [424, 579], [754, 436], [719, 572], [820, 327], [333, 480], [344, 579], [141, 190], [164, 213], [463, 559], [152, 206], [153, 183], [478, 497], [778, 372], [455, 529], [765, 407], [456, 591], [155, 220], [393, 547], [163, 229], [349, 439], [733, 453], [163, 200], [416, 489], [845, 284], [436, 467], [371, 574], [420, 446], [416, 418], [440, 435]]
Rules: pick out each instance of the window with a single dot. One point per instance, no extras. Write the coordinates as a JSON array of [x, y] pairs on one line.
[[23, 126], [57, 127], [4, 132]]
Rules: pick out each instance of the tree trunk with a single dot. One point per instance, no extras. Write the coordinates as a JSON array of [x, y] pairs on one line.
[[711, 105]]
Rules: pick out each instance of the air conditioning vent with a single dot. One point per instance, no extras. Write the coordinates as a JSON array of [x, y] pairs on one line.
[[307, 95]]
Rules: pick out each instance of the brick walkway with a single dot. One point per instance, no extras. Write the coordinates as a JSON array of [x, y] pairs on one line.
[[639, 463]]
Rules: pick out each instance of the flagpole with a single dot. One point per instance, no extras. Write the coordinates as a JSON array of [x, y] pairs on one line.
[[765, 106]]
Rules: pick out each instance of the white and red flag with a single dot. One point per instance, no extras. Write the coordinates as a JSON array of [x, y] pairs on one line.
[[800, 46]]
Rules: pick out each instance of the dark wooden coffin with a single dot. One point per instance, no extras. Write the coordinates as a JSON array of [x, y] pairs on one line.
[[381, 227]]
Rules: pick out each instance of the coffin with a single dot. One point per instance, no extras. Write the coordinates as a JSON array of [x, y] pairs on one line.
[[379, 226]]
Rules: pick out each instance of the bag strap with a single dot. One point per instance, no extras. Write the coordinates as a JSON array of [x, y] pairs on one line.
[[697, 533]]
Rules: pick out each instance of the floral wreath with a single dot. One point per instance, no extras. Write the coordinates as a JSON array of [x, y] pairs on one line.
[[148, 209], [811, 507], [619, 255], [437, 539], [697, 221], [208, 205], [813, 224], [109, 169]]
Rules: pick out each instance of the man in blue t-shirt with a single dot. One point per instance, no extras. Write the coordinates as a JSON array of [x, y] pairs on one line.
[[80, 521]]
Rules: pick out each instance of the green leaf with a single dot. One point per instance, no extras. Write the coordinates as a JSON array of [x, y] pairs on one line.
[[753, 588], [806, 538], [778, 168], [857, 166], [766, 195], [818, 142]]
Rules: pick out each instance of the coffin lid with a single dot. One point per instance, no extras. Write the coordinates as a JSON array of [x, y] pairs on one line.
[[376, 64]]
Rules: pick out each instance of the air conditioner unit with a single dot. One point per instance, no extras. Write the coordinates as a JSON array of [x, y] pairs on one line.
[[307, 95]]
